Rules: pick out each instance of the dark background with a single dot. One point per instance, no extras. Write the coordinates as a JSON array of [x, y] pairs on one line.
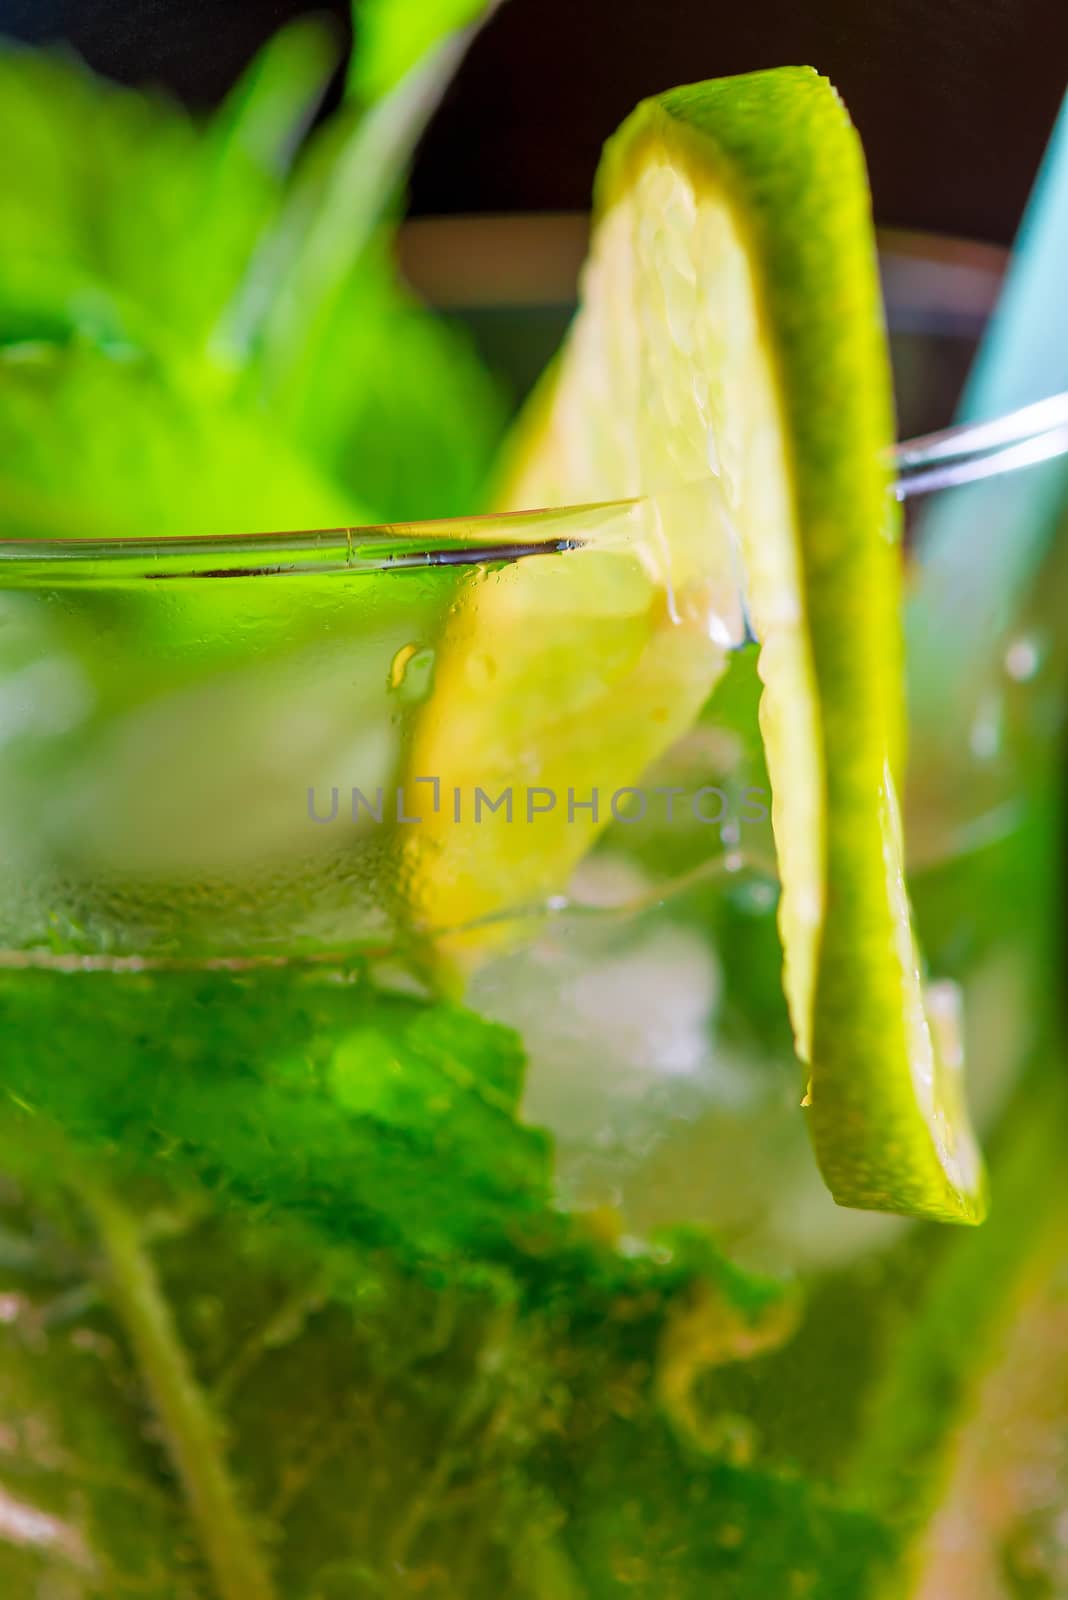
[[954, 98]]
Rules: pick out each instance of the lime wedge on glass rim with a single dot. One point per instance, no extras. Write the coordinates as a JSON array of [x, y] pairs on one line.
[[728, 370]]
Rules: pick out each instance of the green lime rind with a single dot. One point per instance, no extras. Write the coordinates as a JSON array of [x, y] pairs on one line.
[[888, 1121]]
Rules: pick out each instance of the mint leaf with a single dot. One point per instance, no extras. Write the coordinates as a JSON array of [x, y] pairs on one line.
[[416, 435], [651, 1518], [411, 1357], [393, 37], [392, 400], [124, 188], [222, 1239], [268, 112], [131, 230], [371, 1119], [100, 439], [372, 1434]]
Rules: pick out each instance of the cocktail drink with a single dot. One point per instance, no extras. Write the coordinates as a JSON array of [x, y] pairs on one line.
[[327, 1189], [407, 1186]]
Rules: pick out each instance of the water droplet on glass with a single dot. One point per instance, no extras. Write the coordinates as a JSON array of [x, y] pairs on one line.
[[43, 699], [411, 673], [1023, 659], [758, 898], [399, 664], [985, 738], [720, 632]]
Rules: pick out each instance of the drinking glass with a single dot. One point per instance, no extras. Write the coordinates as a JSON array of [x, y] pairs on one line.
[[275, 1165]]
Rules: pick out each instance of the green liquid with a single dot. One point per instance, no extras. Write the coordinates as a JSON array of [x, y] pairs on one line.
[[391, 1287]]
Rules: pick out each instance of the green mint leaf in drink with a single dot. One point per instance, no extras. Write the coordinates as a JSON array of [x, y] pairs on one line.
[[168, 246]]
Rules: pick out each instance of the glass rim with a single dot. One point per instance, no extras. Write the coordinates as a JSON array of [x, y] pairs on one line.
[[480, 539], [926, 465], [933, 465]]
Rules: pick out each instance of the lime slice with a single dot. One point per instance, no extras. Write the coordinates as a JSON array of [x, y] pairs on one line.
[[730, 340]]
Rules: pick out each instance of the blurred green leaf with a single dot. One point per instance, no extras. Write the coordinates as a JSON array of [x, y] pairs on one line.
[[365, 1460], [268, 112], [102, 440], [87, 1506], [371, 1118], [124, 188], [407, 1358], [415, 436], [392, 400], [650, 1518], [393, 36], [160, 260]]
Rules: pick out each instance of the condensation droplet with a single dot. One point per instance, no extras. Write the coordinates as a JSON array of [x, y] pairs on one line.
[[1022, 659], [985, 737], [757, 897], [399, 664], [411, 673], [720, 632]]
